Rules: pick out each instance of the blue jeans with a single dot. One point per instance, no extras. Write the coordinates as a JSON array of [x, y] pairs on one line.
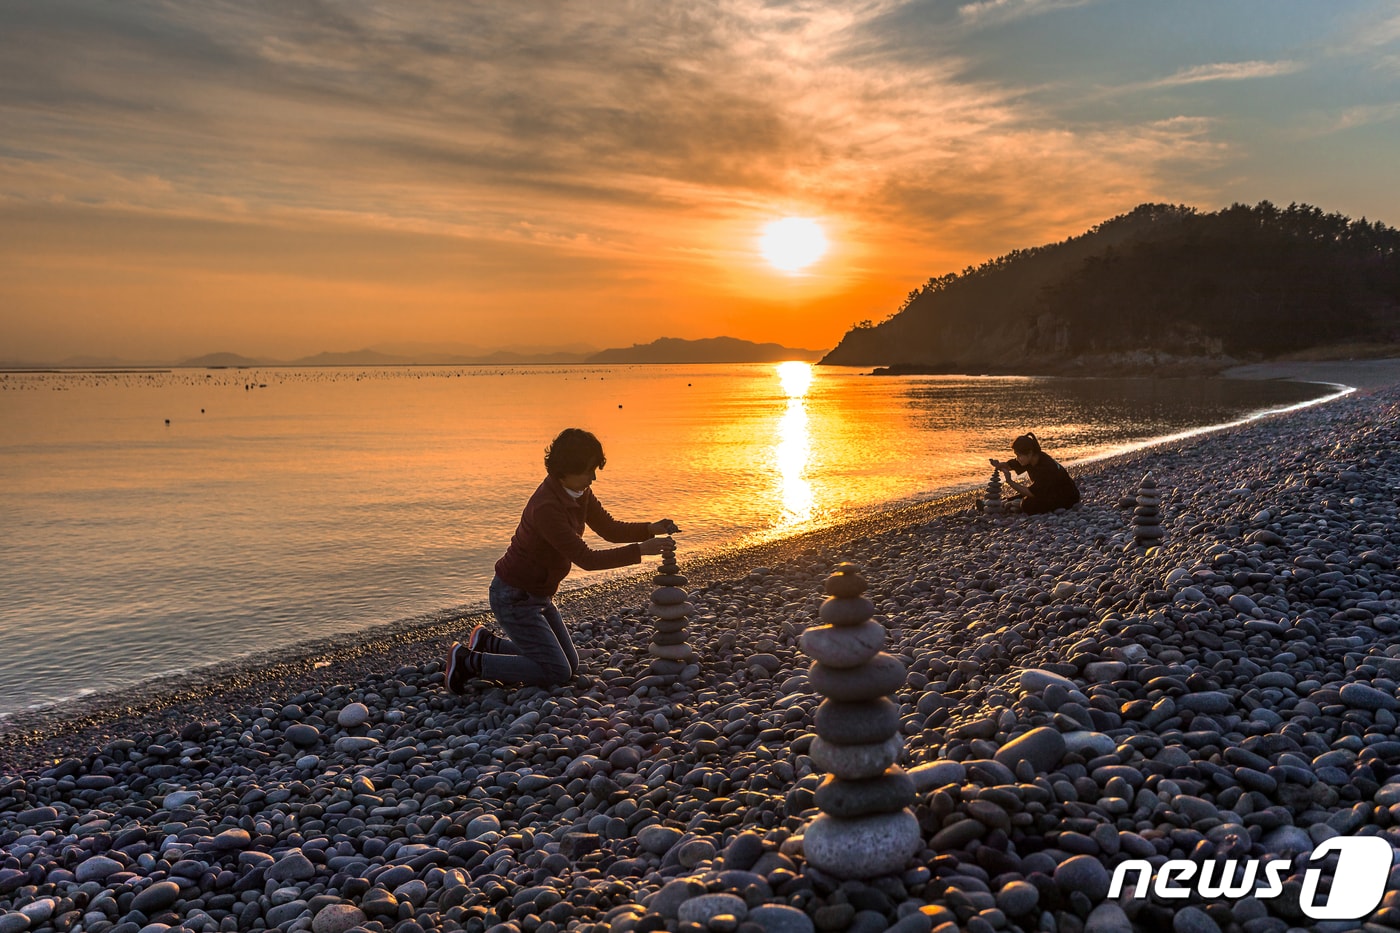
[[538, 649]]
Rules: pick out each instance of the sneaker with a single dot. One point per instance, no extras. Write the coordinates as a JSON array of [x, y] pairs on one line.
[[449, 667], [461, 665], [483, 640]]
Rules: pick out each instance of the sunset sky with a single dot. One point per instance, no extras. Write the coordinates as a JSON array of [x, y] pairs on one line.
[[281, 178]]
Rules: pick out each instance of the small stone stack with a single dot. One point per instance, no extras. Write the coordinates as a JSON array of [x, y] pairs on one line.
[[865, 829], [671, 611], [991, 503], [1147, 516]]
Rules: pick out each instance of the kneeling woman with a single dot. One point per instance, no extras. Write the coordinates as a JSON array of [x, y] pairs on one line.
[[537, 648], [1050, 487]]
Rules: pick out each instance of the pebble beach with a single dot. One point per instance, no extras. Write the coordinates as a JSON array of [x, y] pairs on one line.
[[1071, 701]]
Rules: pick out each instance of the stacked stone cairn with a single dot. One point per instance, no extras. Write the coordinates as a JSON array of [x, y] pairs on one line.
[[671, 610], [1147, 515], [991, 503], [865, 828]]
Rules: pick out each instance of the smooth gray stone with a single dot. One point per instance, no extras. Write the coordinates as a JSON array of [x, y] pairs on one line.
[[1018, 898], [355, 743], [1108, 918], [669, 596], [670, 625], [856, 762], [293, 866], [1096, 743], [286, 913], [891, 791], [1193, 920], [1036, 680], [156, 898], [97, 868], [881, 676], [1242, 603], [1213, 702], [673, 611], [1105, 671], [857, 723], [678, 652], [848, 611], [231, 839], [843, 646], [779, 918], [180, 798], [337, 918], [1043, 747], [670, 638], [1083, 873], [1287, 840], [988, 771], [866, 847], [658, 840], [354, 714], [1195, 808], [303, 735], [36, 815], [707, 906], [933, 774], [673, 894], [1364, 696]]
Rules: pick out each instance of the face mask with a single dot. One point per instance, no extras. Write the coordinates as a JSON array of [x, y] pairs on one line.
[[575, 495]]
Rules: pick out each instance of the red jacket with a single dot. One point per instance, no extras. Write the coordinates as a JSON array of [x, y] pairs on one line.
[[550, 538]]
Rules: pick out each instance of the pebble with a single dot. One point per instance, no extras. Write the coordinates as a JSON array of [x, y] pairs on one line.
[[156, 898], [1108, 918], [865, 847], [1193, 920], [780, 918], [706, 907], [337, 918], [1042, 748], [1085, 874], [97, 868], [353, 715]]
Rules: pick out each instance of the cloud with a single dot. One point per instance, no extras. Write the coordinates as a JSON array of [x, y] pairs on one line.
[[1226, 71], [988, 12], [1362, 115], [639, 141]]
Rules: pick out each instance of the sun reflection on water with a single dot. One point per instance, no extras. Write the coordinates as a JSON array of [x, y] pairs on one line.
[[794, 446]]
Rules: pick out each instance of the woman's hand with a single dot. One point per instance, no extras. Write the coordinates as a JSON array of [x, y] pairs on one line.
[[654, 546], [663, 527]]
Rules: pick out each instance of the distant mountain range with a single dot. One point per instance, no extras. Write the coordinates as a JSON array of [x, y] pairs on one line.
[[709, 350], [665, 350]]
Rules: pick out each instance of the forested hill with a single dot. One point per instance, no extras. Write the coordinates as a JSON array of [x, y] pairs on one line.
[[1161, 286]]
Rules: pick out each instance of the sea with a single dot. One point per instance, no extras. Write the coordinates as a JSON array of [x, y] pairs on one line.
[[153, 522]]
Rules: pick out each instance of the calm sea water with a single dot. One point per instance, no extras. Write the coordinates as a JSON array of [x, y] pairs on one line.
[[154, 522]]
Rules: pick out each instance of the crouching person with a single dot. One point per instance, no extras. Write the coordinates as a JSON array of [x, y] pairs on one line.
[[535, 646]]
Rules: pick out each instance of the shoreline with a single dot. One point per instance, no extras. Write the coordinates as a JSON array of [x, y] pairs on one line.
[[29, 736], [1070, 702]]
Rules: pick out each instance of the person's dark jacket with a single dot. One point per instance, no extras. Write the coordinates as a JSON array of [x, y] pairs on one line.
[[549, 540], [1051, 485]]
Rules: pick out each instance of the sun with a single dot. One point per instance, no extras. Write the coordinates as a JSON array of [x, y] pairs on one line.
[[793, 243]]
